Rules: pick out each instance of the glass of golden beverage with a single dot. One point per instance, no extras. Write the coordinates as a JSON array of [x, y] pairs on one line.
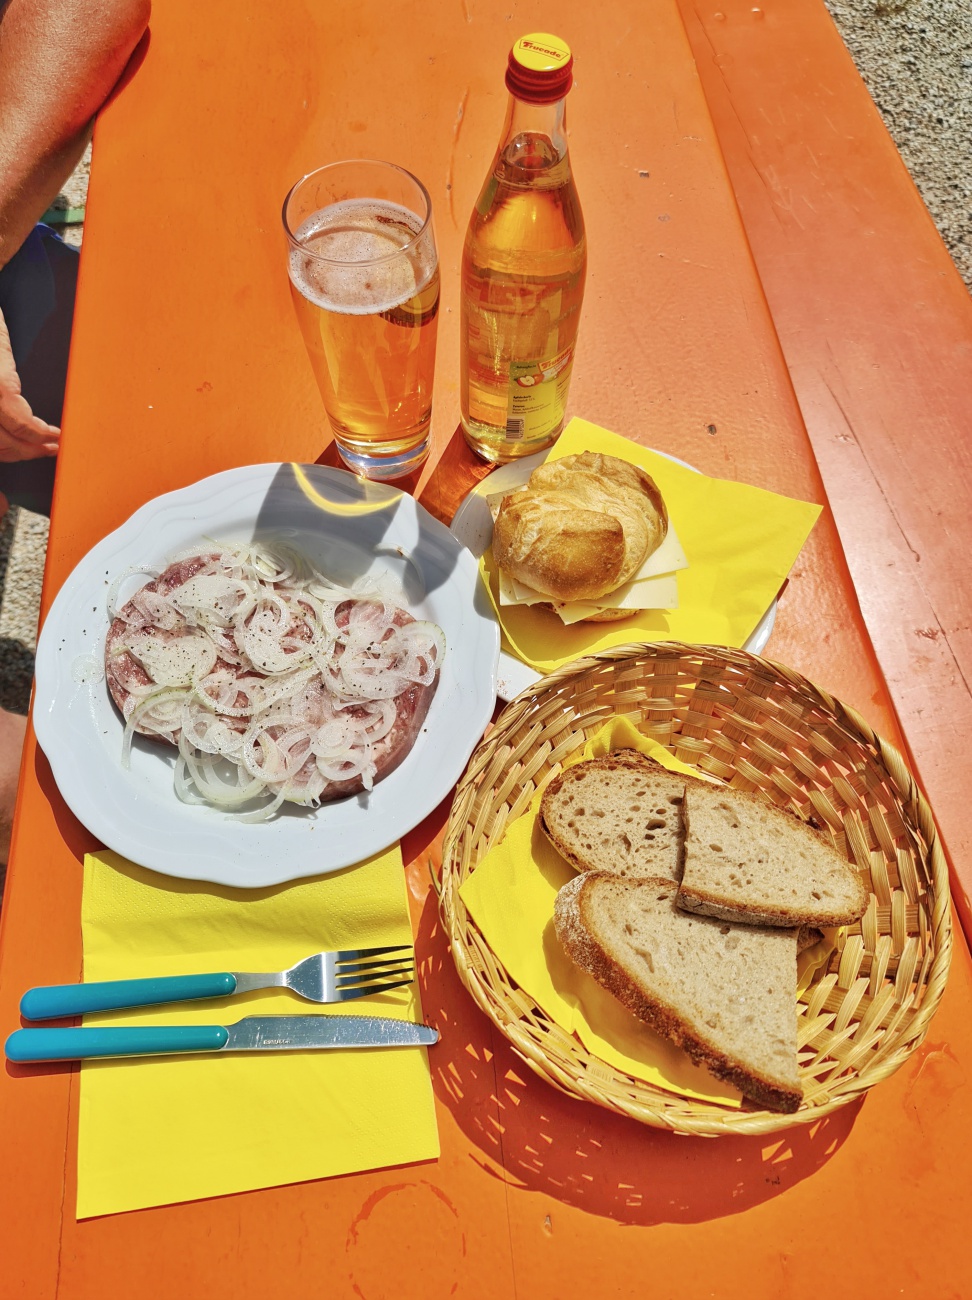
[[364, 277]]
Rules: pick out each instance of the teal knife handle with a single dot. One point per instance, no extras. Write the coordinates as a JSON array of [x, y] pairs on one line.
[[113, 995], [134, 1040]]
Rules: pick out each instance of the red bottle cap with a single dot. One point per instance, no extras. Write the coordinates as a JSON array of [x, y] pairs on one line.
[[541, 68]]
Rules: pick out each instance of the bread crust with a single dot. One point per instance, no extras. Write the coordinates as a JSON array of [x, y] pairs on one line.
[[574, 930], [785, 919], [610, 615]]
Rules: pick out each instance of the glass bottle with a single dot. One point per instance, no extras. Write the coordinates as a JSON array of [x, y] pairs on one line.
[[523, 267]]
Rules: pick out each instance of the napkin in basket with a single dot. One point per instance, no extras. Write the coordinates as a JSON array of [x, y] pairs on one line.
[[740, 541], [157, 1131], [526, 866]]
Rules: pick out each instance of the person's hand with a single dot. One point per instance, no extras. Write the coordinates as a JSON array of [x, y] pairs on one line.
[[22, 435]]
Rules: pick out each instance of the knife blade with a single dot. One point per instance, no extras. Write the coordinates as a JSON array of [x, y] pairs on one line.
[[252, 1034]]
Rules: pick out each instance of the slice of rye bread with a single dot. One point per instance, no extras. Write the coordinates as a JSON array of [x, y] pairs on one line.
[[745, 860], [726, 994], [808, 936], [621, 814]]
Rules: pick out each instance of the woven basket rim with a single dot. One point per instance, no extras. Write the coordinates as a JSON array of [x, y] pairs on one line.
[[579, 1073]]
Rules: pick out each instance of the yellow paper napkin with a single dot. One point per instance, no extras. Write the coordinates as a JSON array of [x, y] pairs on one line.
[[157, 1131], [741, 542], [526, 867]]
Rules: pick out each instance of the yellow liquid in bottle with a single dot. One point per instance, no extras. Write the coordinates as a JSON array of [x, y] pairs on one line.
[[523, 268]]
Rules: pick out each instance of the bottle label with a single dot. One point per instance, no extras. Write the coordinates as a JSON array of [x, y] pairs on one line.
[[538, 396]]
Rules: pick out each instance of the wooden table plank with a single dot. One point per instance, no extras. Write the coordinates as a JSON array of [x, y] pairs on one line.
[[876, 327], [203, 368]]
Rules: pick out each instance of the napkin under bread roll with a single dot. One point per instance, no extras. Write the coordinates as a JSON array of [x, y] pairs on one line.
[[581, 527]]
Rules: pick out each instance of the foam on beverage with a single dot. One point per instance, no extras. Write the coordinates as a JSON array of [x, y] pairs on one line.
[[361, 275]]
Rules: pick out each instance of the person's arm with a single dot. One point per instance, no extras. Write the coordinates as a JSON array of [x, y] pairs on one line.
[[59, 61], [22, 435]]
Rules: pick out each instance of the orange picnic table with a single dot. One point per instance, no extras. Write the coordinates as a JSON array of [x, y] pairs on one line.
[[187, 360]]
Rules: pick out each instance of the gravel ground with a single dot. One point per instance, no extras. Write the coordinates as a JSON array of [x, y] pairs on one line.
[[916, 59], [23, 543], [23, 535], [74, 195]]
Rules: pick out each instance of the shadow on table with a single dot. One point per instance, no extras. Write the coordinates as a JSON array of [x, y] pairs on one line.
[[539, 1139], [341, 523], [75, 837], [455, 473]]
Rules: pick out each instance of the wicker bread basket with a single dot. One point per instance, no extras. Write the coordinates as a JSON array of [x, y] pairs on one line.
[[758, 726]]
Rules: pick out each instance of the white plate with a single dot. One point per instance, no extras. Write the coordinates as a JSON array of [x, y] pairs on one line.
[[346, 528], [473, 526]]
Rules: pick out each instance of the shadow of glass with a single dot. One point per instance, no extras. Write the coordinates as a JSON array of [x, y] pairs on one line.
[[341, 525], [456, 473], [540, 1139], [331, 458]]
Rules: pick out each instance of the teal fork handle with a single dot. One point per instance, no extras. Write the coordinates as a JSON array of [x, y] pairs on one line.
[[59, 1000], [133, 1040]]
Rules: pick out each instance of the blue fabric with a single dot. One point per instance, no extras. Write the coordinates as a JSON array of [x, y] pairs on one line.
[[37, 292]]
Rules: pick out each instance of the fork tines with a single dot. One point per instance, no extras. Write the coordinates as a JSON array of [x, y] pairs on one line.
[[357, 954], [355, 977]]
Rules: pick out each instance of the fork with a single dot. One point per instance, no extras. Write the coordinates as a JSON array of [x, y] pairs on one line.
[[325, 977]]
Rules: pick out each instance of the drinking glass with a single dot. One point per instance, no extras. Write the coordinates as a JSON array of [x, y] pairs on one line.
[[364, 277]]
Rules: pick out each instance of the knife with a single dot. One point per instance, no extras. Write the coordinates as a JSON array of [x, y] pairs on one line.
[[252, 1034]]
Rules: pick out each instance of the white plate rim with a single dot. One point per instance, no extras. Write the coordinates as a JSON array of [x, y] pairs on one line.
[[514, 675], [66, 711]]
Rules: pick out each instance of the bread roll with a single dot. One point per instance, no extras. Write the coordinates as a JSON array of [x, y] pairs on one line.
[[581, 528]]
